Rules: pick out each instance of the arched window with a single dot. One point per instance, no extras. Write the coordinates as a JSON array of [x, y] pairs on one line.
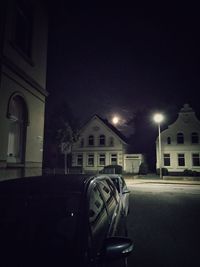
[[102, 140], [18, 117], [180, 138], [168, 140], [91, 140], [195, 138]]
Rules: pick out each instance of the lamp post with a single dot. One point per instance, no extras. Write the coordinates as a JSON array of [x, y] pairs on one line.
[[158, 118]]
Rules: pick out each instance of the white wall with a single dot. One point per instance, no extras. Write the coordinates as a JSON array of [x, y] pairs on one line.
[[96, 128], [186, 123]]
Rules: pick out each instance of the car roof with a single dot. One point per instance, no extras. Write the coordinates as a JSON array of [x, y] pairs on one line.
[[46, 184], [114, 175]]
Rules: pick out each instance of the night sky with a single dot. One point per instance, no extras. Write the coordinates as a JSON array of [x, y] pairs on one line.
[[129, 61]]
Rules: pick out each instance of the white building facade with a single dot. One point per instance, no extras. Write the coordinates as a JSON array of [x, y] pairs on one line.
[[23, 56], [180, 143], [101, 144]]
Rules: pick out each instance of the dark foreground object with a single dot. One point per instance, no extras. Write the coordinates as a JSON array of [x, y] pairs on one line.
[[73, 220]]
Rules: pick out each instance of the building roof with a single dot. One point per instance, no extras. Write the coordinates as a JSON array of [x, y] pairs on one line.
[[110, 126], [186, 108]]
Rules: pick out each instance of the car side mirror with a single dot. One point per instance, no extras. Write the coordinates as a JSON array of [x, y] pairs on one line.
[[116, 247]]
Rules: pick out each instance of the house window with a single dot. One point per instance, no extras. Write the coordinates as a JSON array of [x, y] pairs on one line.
[[195, 138], [17, 114], [91, 140], [102, 159], [82, 143], [195, 159], [111, 141], [23, 27], [90, 160], [102, 140], [180, 138], [166, 159], [80, 160], [169, 140], [181, 160], [113, 159]]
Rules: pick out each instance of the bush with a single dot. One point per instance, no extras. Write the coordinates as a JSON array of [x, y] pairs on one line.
[[112, 169], [187, 172], [143, 169], [164, 171], [195, 173]]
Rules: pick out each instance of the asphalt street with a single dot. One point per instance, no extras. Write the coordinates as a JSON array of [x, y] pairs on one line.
[[164, 223]]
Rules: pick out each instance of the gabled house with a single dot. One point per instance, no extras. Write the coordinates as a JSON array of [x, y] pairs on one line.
[[180, 143], [101, 144]]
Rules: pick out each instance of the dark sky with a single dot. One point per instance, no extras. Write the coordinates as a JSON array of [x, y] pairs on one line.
[[126, 60]]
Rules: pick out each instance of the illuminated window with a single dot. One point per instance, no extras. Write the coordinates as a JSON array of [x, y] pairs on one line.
[[195, 138], [166, 159], [181, 159], [102, 159], [195, 159], [23, 26], [90, 160], [180, 138], [168, 140], [80, 160], [113, 159], [91, 140], [17, 114], [102, 140]]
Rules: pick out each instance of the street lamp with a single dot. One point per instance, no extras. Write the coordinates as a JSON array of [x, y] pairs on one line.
[[158, 118]]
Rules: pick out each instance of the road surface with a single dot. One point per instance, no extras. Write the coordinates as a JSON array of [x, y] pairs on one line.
[[164, 223]]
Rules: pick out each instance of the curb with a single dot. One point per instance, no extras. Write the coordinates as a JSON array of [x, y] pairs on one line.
[[146, 181]]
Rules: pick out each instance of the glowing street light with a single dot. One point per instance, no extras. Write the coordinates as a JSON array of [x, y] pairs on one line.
[[158, 118]]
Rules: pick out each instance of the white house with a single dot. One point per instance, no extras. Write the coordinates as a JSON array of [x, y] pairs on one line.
[[101, 144], [180, 143], [23, 54]]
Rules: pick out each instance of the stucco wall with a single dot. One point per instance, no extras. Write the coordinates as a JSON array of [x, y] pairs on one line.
[[186, 123]]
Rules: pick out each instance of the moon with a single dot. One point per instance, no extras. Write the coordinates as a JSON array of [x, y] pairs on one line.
[[115, 120]]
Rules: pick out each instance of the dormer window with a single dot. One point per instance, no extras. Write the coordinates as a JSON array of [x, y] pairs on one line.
[[180, 138], [195, 138], [111, 141], [102, 140], [82, 143], [169, 140], [91, 140]]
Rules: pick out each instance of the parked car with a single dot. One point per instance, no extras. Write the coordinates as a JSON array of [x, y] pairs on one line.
[[112, 169], [65, 220], [123, 191]]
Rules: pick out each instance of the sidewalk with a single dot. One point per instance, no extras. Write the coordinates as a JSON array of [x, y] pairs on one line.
[[138, 179]]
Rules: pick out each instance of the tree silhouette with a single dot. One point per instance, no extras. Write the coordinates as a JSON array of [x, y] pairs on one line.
[[60, 133]]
